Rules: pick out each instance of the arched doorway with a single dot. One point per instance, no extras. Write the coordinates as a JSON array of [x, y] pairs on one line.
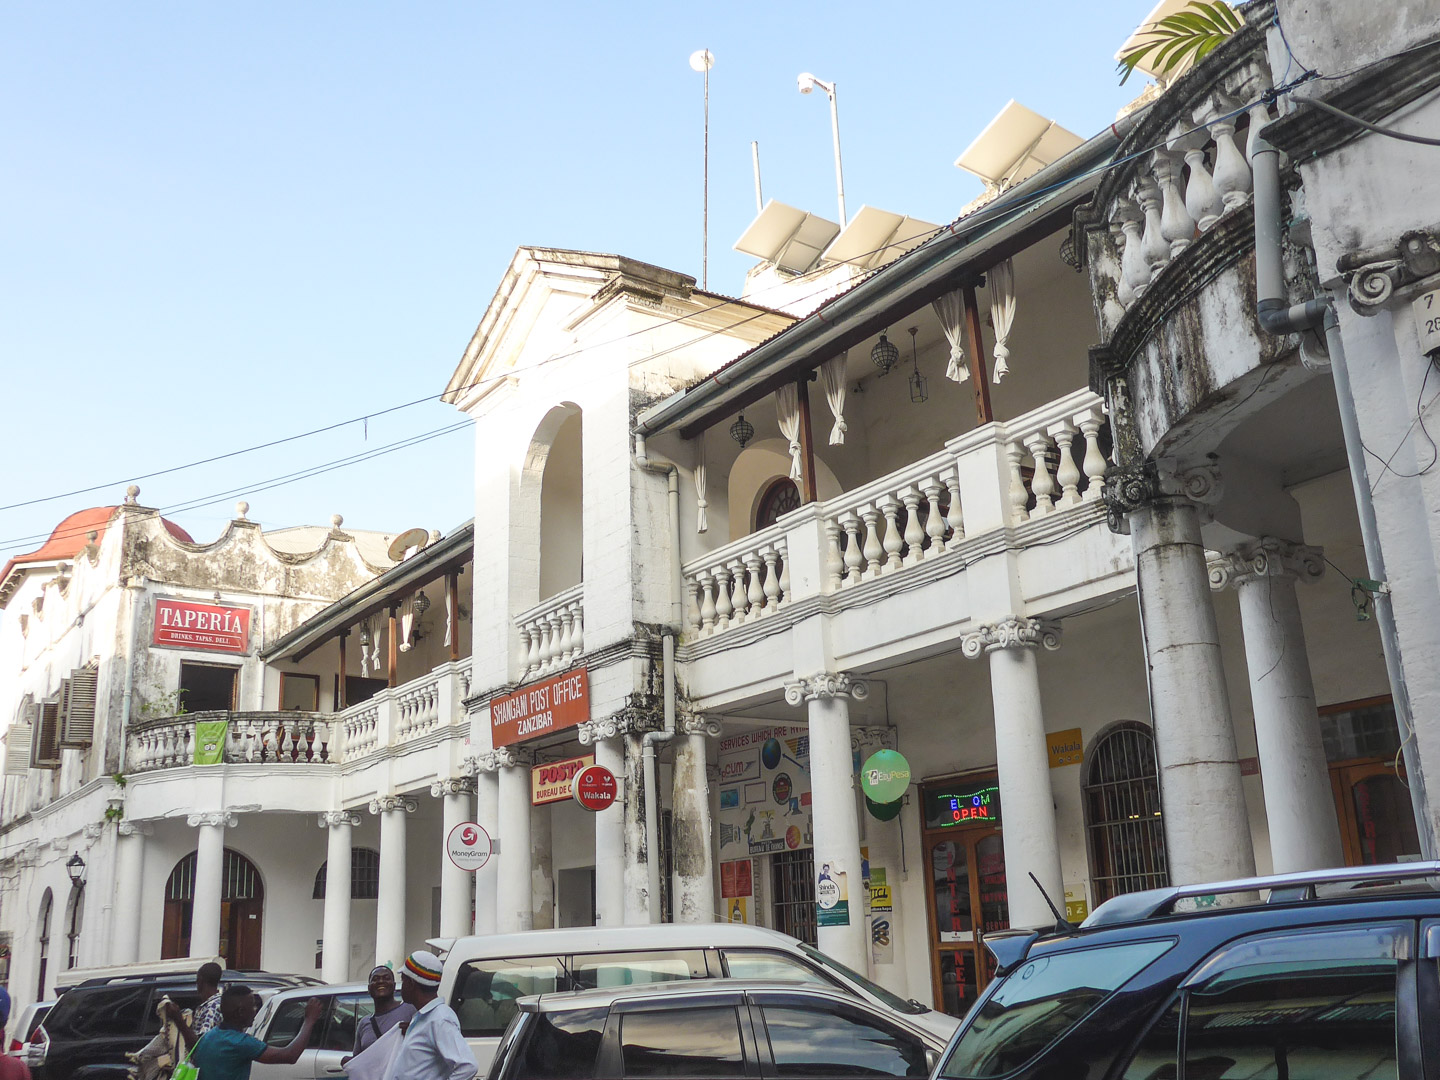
[[779, 497], [1123, 821], [242, 909], [47, 904], [74, 918]]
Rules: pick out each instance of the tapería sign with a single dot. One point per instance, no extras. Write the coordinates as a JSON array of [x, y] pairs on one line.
[[551, 705], [188, 624], [551, 781]]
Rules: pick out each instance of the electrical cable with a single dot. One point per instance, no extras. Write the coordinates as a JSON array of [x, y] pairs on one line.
[[1391, 133], [1419, 419]]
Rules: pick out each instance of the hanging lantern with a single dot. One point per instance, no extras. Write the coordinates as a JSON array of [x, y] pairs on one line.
[[918, 393], [884, 355], [742, 431], [422, 603]]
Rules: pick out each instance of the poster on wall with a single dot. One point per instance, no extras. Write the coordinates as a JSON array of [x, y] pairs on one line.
[[765, 792], [832, 896]]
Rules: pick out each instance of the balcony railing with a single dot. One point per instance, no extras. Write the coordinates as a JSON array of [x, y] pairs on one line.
[[261, 738], [405, 714], [552, 634], [999, 476]]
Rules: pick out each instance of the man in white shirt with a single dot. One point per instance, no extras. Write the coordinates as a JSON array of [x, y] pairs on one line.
[[433, 1047]]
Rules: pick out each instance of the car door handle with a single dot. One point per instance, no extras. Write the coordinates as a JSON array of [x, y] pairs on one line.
[[335, 1070]]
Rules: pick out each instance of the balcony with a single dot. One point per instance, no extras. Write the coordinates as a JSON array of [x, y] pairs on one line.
[[552, 634], [413, 714], [251, 738]]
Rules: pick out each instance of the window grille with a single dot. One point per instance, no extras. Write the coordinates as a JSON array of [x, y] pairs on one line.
[[1122, 813], [792, 875], [364, 875], [239, 879]]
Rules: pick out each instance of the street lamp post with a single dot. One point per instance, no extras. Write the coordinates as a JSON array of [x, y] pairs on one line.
[[808, 83]]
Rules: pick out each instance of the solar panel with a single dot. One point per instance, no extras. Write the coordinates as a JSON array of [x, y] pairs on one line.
[[790, 238], [1017, 144], [875, 237]]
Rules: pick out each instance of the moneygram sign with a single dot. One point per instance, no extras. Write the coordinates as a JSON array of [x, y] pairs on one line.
[[552, 705], [185, 624]]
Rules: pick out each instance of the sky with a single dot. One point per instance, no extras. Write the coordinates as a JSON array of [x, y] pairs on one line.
[[226, 224]]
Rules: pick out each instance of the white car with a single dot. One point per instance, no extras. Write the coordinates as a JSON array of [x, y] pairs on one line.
[[332, 1040], [27, 1037], [485, 976]]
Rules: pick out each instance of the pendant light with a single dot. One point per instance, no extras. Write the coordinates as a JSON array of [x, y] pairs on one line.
[[918, 392], [742, 431], [884, 355]]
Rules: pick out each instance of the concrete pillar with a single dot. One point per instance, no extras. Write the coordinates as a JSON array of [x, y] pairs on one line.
[[209, 881], [836, 822], [513, 910], [693, 879], [637, 872], [128, 899], [455, 882], [390, 945], [1023, 762], [542, 869], [1206, 836], [335, 927], [1299, 802], [487, 814], [610, 840]]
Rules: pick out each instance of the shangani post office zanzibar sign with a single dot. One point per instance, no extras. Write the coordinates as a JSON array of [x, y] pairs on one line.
[[550, 705]]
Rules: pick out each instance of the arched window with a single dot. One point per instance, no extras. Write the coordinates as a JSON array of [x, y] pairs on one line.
[[780, 497], [1123, 821], [47, 902], [242, 905], [73, 920], [364, 875], [562, 500]]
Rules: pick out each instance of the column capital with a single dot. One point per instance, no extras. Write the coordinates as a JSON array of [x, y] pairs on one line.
[[1267, 557], [873, 736], [219, 818], [826, 684], [507, 757], [388, 803], [697, 724], [455, 785], [631, 720], [330, 819], [135, 828], [1133, 487], [1012, 633]]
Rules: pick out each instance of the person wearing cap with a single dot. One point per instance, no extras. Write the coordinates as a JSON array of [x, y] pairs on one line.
[[433, 1047], [11, 1067]]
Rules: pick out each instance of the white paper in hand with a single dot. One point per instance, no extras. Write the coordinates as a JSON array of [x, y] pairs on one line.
[[374, 1061]]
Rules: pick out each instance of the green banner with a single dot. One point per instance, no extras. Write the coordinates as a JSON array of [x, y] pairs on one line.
[[210, 741]]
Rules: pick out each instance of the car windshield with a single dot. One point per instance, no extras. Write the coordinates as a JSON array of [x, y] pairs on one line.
[[895, 1002], [1040, 1001]]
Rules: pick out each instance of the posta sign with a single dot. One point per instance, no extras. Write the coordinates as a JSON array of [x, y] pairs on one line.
[[550, 705], [595, 787], [551, 782], [188, 624]]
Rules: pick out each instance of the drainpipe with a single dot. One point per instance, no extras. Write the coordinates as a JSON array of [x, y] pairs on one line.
[[1277, 316], [652, 738]]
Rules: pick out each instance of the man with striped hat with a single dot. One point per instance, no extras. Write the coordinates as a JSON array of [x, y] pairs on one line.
[[433, 1047]]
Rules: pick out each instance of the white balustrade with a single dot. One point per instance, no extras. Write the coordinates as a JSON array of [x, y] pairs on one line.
[[552, 634], [1050, 439], [417, 707], [250, 738], [360, 725], [738, 583]]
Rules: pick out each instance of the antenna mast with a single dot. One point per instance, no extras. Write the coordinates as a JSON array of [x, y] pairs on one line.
[[703, 60]]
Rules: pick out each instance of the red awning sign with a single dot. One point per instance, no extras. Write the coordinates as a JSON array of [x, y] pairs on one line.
[[595, 787]]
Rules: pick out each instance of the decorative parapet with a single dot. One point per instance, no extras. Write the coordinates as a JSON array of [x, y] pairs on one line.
[[1013, 633], [1267, 557], [825, 684]]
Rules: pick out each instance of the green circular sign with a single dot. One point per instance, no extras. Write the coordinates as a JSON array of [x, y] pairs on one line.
[[885, 776], [884, 811]]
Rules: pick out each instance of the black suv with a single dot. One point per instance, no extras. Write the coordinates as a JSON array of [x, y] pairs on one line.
[[1333, 975], [95, 1023]]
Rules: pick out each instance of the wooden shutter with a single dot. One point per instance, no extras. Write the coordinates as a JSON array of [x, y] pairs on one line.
[[45, 738], [77, 720], [17, 740]]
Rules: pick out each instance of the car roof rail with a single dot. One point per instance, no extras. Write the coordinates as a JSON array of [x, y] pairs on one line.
[[1282, 888]]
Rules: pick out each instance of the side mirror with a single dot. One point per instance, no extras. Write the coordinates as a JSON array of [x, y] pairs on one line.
[[932, 1061]]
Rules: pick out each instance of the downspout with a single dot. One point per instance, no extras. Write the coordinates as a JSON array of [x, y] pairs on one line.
[[1277, 316], [652, 738]]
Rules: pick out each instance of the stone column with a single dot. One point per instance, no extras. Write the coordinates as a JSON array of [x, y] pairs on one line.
[[833, 812], [1299, 802], [390, 945], [129, 896], [1207, 837], [513, 900], [542, 869], [455, 883], [693, 879], [335, 927], [209, 880], [604, 737], [637, 854], [487, 815], [1022, 760]]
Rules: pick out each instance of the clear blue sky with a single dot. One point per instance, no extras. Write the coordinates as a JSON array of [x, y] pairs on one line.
[[229, 223]]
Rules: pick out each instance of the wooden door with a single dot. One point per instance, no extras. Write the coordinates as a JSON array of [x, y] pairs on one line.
[[967, 899], [244, 924], [1377, 821]]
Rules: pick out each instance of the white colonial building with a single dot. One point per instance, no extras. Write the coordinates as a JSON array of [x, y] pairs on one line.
[[1105, 606]]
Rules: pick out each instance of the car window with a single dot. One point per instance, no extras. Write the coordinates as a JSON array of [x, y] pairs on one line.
[[560, 1046], [830, 1042], [486, 990], [682, 1042], [347, 1013], [286, 1021], [1038, 1002], [185, 997], [1300, 1004], [36, 1020], [636, 968], [854, 978], [113, 1012], [769, 966]]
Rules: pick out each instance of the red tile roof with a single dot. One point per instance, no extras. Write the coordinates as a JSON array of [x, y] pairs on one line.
[[69, 538]]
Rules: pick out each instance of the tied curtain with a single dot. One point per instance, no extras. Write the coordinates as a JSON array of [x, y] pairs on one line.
[[951, 310], [787, 409], [702, 522], [832, 375], [1002, 312]]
